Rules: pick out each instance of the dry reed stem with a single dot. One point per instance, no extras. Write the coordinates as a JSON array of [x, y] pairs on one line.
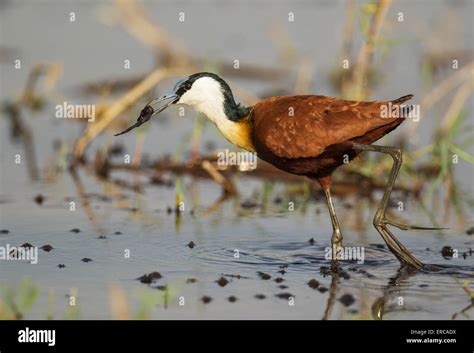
[[456, 106], [227, 184], [365, 56], [118, 303]]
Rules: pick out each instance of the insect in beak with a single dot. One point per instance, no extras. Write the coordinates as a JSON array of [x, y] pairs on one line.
[[149, 111]]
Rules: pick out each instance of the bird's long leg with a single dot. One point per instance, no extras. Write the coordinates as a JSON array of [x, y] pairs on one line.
[[380, 220], [336, 239]]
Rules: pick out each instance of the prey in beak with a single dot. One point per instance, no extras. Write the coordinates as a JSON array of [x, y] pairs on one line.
[[149, 111]]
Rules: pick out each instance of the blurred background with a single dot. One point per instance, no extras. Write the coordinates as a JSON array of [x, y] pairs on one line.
[[109, 207]]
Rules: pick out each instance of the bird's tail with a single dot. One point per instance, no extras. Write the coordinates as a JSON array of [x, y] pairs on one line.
[[404, 110], [402, 99]]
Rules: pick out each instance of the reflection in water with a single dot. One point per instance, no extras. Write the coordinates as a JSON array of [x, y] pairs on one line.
[[332, 290]]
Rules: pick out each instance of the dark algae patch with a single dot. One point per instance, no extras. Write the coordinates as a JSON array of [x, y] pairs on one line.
[[263, 275], [206, 299], [284, 295], [313, 283], [347, 299], [447, 251], [47, 248], [39, 199], [222, 281], [150, 277]]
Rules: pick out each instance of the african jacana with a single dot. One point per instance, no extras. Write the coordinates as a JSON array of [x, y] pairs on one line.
[[304, 135]]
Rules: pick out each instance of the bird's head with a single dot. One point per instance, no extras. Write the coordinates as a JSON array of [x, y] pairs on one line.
[[205, 91]]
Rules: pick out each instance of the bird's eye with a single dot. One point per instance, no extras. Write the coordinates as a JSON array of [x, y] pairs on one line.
[[187, 85]]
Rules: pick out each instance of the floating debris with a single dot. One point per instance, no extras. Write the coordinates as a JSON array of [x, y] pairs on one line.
[[378, 245], [47, 248], [284, 295], [249, 204], [150, 277], [235, 276], [277, 200], [222, 281], [263, 275], [344, 274], [322, 289], [206, 300], [39, 199], [347, 299], [191, 244], [447, 251], [325, 271], [313, 283]]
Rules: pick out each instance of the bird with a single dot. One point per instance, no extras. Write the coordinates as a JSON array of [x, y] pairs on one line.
[[306, 135]]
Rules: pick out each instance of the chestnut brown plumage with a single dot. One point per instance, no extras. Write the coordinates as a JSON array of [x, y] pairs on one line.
[[303, 134]]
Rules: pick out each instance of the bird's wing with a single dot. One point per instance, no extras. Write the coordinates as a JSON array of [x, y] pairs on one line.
[[303, 126]]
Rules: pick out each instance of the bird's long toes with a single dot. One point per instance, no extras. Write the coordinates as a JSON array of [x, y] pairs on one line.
[[403, 226], [404, 256]]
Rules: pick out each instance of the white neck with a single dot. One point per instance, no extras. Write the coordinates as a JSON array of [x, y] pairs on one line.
[[206, 96]]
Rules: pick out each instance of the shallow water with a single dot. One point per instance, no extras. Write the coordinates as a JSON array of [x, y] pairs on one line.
[[267, 238], [267, 241]]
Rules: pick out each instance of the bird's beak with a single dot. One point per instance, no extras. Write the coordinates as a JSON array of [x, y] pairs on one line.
[[149, 111]]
